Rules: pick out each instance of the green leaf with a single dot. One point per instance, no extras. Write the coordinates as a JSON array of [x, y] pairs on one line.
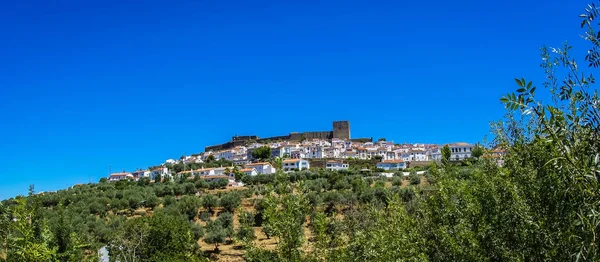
[[521, 90], [519, 82], [504, 100], [529, 85]]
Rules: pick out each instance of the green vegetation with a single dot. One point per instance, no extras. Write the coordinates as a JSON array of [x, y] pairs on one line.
[[262, 153], [541, 204], [446, 155]]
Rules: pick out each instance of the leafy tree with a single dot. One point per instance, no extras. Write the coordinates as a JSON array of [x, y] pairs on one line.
[[226, 221], [261, 153], [129, 242], [278, 162], [477, 151], [168, 235], [189, 205], [446, 153], [245, 233], [189, 188], [31, 190], [135, 201], [152, 201], [215, 233], [209, 202], [553, 149], [210, 159], [381, 139], [201, 183], [397, 181], [197, 230], [414, 178], [23, 243], [230, 201], [285, 215], [381, 228]]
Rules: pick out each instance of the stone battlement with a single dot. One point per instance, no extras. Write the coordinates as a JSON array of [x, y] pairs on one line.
[[341, 130]]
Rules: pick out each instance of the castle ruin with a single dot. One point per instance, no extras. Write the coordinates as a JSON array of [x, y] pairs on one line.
[[341, 130]]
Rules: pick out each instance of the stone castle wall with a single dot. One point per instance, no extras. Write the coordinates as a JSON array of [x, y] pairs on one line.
[[341, 130]]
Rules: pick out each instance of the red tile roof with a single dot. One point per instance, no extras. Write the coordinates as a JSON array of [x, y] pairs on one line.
[[258, 164], [393, 161], [119, 174]]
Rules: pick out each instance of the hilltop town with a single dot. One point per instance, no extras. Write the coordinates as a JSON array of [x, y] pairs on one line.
[[297, 151]]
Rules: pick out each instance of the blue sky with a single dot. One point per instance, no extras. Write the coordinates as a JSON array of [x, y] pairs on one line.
[[90, 84]]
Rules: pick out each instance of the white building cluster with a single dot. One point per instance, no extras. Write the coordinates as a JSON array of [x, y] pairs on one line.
[[339, 149], [296, 155]]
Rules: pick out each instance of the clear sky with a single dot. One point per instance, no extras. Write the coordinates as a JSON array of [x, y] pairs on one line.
[[85, 85]]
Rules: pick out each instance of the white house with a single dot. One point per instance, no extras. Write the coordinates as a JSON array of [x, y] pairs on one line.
[[348, 154], [291, 164], [316, 152], [390, 155], [460, 151], [392, 164], [418, 155], [158, 172], [336, 165], [262, 167], [224, 154], [435, 154], [249, 171], [120, 176], [405, 156], [332, 152], [241, 161], [298, 153], [361, 152], [277, 152], [140, 174], [217, 171]]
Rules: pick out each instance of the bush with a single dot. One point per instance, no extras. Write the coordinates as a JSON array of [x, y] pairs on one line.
[[215, 233], [205, 216], [169, 200], [397, 181], [230, 201], [152, 201], [209, 202], [245, 233], [414, 178], [197, 230], [201, 184], [189, 206]]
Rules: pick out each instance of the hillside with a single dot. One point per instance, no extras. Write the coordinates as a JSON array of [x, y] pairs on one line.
[[104, 213]]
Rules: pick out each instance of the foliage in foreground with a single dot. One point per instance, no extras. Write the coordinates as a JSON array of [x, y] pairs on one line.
[[540, 205]]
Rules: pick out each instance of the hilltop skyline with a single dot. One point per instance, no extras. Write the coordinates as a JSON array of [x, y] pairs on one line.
[[89, 85]]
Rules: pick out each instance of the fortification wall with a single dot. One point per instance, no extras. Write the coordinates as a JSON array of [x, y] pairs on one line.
[[274, 138], [295, 136], [362, 140], [318, 135], [341, 129], [219, 147], [243, 138]]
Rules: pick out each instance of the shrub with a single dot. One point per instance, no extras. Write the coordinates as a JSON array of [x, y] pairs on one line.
[[414, 178], [230, 201]]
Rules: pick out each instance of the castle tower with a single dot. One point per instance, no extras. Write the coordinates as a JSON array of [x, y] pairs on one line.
[[341, 129]]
